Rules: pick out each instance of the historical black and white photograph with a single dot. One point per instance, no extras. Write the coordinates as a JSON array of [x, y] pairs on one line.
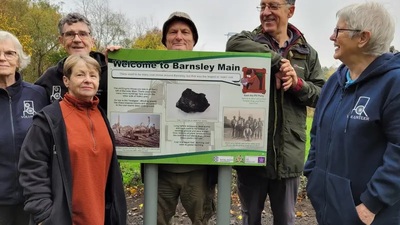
[[136, 129], [244, 125]]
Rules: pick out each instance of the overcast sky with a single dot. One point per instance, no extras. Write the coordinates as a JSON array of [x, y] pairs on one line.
[[214, 19]]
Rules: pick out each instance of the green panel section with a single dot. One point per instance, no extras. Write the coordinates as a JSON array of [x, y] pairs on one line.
[[220, 157], [166, 56]]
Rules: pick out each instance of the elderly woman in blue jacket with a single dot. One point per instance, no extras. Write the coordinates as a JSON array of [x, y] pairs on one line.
[[353, 167], [19, 101]]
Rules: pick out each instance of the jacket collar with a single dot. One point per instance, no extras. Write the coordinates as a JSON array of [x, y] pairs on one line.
[[80, 104], [13, 89], [297, 39]]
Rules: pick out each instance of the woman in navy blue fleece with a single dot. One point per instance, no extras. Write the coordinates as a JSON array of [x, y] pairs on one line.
[[19, 102], [353, 167]]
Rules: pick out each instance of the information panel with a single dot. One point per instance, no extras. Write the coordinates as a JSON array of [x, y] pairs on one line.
[[189, 107]]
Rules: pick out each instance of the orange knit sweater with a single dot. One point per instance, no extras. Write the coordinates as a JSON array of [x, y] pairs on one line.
[[90, 149]]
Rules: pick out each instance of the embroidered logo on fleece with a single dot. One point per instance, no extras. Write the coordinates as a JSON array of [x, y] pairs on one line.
[[29, 109], [358, 112], [56, 93], [298, 67]]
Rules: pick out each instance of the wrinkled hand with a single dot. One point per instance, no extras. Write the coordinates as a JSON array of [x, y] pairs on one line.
[[282, 81], [111, 48], [286, 77], [365, 215]]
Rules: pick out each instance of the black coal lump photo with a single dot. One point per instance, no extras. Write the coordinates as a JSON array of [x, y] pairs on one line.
[[192, 102]]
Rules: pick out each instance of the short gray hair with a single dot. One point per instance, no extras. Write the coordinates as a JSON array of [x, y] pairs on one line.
[[372, 17], [71, 18], [23, 58], [291, 2]]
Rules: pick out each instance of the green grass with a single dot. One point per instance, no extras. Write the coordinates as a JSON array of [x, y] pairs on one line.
[[130, 173], [309, 123], [131, 170]]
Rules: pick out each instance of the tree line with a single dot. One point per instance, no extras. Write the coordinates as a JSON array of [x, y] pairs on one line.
[[35, 22]]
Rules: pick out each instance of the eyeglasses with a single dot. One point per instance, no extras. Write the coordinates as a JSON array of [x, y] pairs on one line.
[[337, 30], [9, 55], [270, 6], [71, 35]]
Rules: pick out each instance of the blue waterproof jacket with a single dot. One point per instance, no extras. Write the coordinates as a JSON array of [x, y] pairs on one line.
[[18, 103], [355, 146]]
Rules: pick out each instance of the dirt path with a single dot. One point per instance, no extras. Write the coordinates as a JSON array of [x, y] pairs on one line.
[[305, 214]]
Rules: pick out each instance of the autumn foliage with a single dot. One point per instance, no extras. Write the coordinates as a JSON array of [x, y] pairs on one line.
[[150, 40], [35, 25], [35, 22]]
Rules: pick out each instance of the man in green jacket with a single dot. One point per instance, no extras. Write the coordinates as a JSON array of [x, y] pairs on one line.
[[296, 83]]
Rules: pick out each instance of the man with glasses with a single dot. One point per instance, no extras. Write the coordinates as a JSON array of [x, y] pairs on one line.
[[75, 36], [296, 83]]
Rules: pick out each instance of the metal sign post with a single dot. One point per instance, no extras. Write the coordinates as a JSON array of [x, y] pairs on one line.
[[151, 186], [224, 195], [150, 194]]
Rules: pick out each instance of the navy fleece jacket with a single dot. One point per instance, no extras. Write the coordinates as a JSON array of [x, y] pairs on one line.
[[355, 146]]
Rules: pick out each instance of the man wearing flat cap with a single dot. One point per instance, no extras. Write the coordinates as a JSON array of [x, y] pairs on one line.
[[194, 185]]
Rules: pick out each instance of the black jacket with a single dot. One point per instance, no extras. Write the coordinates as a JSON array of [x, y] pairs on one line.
[[45, 173], [52, 80], [18, 104]]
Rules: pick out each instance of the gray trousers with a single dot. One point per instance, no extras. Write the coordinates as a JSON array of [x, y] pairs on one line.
[[13, 215], [253, 191]]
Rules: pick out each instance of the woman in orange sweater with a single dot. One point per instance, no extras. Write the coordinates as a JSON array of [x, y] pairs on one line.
[[68, 165]]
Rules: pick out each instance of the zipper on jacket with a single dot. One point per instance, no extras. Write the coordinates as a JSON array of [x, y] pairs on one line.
[[338, 105], [287, 53], [12, 121], [328, 164], [91, 129], [16, 156], [274, 133]]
